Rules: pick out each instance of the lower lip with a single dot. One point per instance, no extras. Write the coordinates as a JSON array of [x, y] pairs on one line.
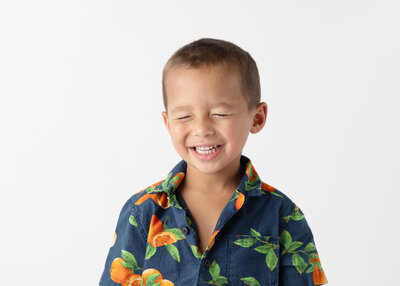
[[207, 157]]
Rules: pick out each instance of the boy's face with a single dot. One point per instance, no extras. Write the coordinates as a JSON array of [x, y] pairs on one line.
[[208, 117]]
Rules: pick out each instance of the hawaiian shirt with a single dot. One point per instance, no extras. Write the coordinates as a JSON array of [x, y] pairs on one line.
[[261, 238]]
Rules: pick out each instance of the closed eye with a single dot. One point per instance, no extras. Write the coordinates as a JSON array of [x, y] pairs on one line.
[[221, 115], [183, 117]]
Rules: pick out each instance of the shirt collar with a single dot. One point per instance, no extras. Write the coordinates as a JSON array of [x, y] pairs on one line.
[[250, 185]]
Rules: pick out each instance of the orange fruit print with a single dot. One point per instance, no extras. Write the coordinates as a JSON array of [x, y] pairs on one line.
[[157, 235], [318, 273], [153, 185], [267, 187], [123, 275], [155, 241], [239, 201], [163, 238], [134, 280], [212, 239], [160, 199], [251, 172], [151, 271], [177, 179]]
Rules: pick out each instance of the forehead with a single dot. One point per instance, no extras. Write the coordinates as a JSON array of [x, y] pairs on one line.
[[216, 85]]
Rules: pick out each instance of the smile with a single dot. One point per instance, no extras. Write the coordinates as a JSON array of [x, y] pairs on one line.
[[207, 149], [206, 153]]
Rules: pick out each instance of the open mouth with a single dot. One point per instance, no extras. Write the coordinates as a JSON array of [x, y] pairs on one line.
[[206, 149]]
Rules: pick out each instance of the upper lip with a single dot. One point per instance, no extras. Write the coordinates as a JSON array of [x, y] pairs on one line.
[[205, 145]]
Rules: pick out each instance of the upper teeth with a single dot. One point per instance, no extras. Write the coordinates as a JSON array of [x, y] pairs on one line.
[[205, 148]]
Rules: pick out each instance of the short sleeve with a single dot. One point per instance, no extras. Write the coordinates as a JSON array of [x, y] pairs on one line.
[[299, 263], [126, 255]]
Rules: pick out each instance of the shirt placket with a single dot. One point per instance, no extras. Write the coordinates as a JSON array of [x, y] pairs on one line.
[[205, 261]]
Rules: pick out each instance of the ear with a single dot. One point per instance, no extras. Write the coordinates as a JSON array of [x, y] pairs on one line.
[[166, 121], [259, 117]]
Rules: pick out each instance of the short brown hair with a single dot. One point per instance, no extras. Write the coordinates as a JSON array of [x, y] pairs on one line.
[[209, 51]]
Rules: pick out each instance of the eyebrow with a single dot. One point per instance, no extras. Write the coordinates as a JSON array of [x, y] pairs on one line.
[[186, 107]]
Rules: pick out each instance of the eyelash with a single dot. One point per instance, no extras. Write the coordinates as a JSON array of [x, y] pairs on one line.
[[217, 114], [184, 117]]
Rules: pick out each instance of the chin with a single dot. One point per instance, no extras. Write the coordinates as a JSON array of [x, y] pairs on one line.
[[206, 167]]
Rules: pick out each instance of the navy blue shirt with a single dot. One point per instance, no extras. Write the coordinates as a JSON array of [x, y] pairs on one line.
[[261, 238]]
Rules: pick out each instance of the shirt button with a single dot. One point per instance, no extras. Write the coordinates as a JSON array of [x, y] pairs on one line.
[[184, 230], [207, 263]]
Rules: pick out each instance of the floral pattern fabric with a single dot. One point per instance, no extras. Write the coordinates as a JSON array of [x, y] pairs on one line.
[[261, 238]]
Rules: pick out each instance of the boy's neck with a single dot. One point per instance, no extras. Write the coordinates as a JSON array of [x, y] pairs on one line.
[[221, 183]]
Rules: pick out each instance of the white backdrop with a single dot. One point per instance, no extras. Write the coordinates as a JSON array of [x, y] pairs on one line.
[[81, 130]]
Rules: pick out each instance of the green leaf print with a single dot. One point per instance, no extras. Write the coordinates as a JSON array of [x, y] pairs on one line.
[[214, 270], [127, 265], [271, 259], [310, 247], [263, 248], [150, 250], [272, 193], [294, 246], [173, 181], [221, 280], [296, 216], [216, 278], [165, 223], [234, 196], [266, 247], [173, 202], [132, 220], [250, 185], [129, 261], [245, 242], [285, 239], [254, 232], [313, 256], [164, 185], [177, 232], [128, 257], [250, 281], [152, 279], [299, 263], [173, 251], [195, 250], [252, 174], [311, 269]]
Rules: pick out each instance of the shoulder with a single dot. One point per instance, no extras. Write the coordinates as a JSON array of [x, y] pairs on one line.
[[138, 209], [142, 195], [286, 209], [144, 203], [279, 197]]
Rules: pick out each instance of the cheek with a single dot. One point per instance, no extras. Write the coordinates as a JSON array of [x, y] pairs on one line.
[[178, 132], [237, 128], [237, 132]]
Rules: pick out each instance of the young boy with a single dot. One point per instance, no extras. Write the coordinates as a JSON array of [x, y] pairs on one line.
[[212, 220]]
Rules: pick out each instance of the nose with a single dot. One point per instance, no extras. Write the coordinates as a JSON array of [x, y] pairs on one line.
[[203, 127]]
